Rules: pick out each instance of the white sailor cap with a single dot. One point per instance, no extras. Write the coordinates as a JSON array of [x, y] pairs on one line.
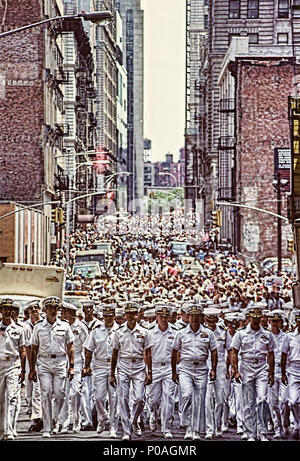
[[108, 309], [163, 309], [232, 317], [69, 306], [185, 306], [212, 311], [51, 301], [149, 313], [6, 302], [276, 314], [194, 309], [88, 303], [131, 306]]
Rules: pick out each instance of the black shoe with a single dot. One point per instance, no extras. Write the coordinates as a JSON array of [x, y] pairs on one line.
[[31, 428], [38, 425], [87, 428]]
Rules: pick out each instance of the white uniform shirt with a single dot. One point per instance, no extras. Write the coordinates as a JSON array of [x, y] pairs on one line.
[[52, 338], [161, 350], [253, 345], [11, 339], [132, 343], [92, 324], [28, 332], [278, 341], [221, 335], [100, 342], [80, 333], [291, 347], [194, 346]]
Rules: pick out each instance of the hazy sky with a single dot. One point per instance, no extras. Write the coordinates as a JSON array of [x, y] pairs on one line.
[[164, 75]]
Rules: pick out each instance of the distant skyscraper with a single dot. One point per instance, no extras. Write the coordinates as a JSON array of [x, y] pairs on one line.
[[133, 35]]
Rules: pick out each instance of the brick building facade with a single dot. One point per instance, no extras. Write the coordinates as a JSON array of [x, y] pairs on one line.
[[262, 90]]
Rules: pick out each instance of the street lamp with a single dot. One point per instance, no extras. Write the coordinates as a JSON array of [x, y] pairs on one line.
[[97, 17], [278, 184], [162, 173]]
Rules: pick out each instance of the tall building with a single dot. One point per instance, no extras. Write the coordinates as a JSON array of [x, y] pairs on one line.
[[196, 48], [31, 117], [44, 112], [122, 179], [79, 113], [133, 32], [249, 43], [106, 105]]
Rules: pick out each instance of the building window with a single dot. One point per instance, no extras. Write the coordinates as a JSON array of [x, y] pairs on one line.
[[296, 38], [283, 38], [283, 8], [234, 9], [252, 9], [206, 21], [253, 39], [296, 12]]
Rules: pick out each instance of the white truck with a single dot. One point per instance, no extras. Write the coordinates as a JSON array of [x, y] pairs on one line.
[[24, 282]]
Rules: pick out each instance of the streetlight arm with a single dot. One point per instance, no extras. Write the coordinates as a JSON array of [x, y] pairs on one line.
[[239, 205], [96, 17], [28, 208]]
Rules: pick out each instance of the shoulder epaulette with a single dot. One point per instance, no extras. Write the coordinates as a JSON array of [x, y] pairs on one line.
[[39, 321], [150, 328], [173, 327], [64, 320], [96, 326], [266, 328], [206, 326], [121, 326], [241, 328], [178, 328], [223, 327]]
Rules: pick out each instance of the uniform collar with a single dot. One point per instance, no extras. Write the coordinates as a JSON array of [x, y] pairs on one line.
[[189, 330], [158, 330], [249, 329], [57, 322], [137, 327]]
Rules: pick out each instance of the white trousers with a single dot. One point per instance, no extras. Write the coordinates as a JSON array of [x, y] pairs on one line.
[[193, 385], [254, 396], [104, 392], [161, 396], [52, 374], [130, 377], [9, 394], [72, 397], [278, 399], [215, 400]]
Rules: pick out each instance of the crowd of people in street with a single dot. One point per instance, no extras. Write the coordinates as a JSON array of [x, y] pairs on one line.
[[155, 344]]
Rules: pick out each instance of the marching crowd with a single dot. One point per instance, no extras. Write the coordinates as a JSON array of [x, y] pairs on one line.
[[154, 344]]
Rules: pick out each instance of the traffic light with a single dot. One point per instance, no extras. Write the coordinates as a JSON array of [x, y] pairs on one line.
[[217, 218], [214, 218], [61, 217], [54, 215], [290, 245]]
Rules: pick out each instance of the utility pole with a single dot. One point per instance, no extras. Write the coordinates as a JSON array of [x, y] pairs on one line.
[[279, 225]]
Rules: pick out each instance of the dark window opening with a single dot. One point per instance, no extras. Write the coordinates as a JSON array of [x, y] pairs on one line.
[[234, 9], [253, 9]]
